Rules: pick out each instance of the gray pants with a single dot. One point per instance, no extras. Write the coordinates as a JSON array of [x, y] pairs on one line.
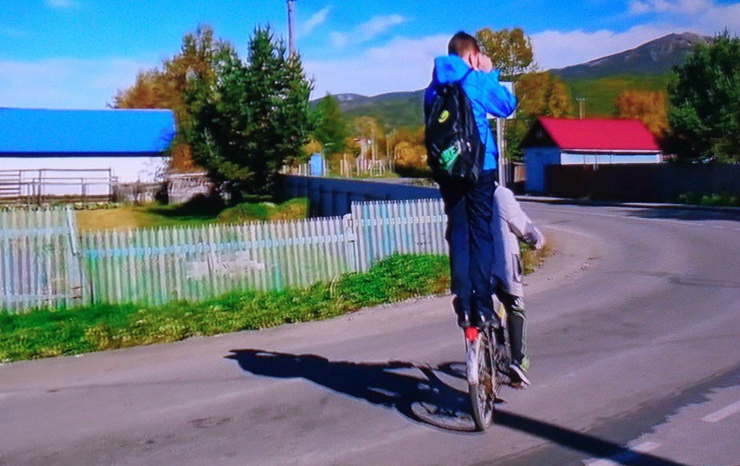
[[514, 306]]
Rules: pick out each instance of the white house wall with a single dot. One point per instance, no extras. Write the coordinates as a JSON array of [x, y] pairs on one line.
[[607, 159]]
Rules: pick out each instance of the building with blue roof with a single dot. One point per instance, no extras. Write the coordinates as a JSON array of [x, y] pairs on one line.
[[129, 145]]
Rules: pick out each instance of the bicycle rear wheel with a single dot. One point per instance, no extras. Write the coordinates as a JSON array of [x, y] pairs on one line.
[[481, 380]]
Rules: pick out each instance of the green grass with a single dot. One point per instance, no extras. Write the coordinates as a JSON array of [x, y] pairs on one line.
[[715, 200], [49, 333], [200, 211], [289, 210], [601, 93], [531, 259]]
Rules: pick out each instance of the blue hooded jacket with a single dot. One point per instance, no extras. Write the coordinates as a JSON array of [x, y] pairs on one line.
[[485, 93]]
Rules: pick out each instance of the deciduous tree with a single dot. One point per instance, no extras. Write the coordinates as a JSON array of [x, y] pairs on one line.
[[509, 50], [646, 106], [165, 88], [538, 94]]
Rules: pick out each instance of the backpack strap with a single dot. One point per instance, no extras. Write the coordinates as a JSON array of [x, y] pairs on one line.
[[467, 73]]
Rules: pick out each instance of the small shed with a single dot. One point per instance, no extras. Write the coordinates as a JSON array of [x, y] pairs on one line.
[[55, 148], [590, 141]]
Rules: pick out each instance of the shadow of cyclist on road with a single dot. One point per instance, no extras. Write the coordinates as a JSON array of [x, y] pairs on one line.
[[417, 392], [414, 390]]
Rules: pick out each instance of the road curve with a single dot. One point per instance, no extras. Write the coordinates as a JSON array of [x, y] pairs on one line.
[[633, 330]]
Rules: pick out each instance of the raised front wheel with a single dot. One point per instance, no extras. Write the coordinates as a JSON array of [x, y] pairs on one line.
[[480, 379]]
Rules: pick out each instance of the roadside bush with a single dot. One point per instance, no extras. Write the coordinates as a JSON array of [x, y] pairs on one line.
[[290, 210], [722, 199]]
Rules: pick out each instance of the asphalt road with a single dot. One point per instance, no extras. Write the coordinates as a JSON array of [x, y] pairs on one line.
[[633, 330]]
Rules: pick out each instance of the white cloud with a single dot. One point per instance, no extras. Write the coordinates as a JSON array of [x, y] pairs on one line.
[[405, 64], [685, 7], [314, 21], [338, 39], [66, 83], [378, 25], [556, 49], [367, 31], [401, 65], [62, 4], [700, 16]]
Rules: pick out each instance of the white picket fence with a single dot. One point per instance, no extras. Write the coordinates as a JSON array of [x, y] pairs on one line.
[[156, 266], [39, 264], [408, 227]]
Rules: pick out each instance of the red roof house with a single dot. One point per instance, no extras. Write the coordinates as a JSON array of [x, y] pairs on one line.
[[591, 141]]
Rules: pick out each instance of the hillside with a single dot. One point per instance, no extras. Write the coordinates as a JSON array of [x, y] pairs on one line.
[[599, 81], [656, 57], [393, 109]]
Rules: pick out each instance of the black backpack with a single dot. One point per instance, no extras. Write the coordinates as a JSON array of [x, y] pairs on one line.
[[454, 149]]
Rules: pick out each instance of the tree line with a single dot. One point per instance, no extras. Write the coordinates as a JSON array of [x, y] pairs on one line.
[[241, 119]]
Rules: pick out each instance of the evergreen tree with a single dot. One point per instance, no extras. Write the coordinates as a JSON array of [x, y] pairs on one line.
[[331, 127], [249, 118]]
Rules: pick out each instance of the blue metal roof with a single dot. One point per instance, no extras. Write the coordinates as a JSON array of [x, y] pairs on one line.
[[114, 132]]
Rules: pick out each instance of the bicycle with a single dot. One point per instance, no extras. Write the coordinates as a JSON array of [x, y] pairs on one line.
[[487, 360]]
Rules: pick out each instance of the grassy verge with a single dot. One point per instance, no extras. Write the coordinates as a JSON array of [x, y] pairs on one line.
[[714, 200], [49, 333], [531, 259], [197, 212]]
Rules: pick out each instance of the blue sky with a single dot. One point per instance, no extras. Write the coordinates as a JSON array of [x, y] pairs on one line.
[[78, 53]]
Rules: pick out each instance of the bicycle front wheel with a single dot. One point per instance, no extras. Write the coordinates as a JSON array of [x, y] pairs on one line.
[[482, 396]]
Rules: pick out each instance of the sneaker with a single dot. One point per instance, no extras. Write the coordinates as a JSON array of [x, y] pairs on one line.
[[463, 320], [518, 376]]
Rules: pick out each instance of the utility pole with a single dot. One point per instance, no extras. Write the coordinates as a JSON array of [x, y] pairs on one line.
[[291, 35], [581, 107]]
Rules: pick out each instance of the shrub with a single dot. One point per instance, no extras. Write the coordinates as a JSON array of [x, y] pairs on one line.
[[721, 199]]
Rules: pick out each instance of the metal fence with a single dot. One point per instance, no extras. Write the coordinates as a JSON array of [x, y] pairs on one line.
[[156, 266], [39, 264], [38, 186]]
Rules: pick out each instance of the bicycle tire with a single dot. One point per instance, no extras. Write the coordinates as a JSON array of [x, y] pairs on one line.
[[501, 361], [483, 393]]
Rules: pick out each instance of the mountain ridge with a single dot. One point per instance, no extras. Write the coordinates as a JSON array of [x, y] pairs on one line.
[[652, 59], [657, 56]]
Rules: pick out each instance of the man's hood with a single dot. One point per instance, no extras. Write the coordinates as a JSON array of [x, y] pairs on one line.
[[449, 69]]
